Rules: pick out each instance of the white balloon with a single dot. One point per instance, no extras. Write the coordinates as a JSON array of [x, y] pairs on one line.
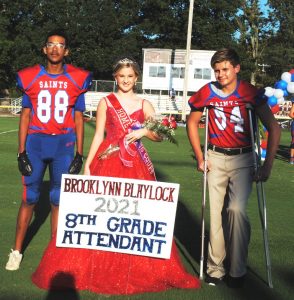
[[278, 93], [290, 87], [269, 91], [281, 100], [286, 76]]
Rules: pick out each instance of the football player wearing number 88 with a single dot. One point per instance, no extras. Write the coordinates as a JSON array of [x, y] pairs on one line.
[[51, 124], [230, 162]]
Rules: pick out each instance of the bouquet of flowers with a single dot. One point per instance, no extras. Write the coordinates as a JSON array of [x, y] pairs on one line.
[[164, 127]]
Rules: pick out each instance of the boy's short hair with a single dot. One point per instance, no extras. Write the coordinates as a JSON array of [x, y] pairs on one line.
[[225, 54], [59, 32]]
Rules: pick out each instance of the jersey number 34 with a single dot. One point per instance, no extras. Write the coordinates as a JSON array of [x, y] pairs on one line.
[[235, 119]]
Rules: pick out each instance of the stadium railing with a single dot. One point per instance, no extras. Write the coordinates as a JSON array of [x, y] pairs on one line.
[[10, 105], [161, 101]]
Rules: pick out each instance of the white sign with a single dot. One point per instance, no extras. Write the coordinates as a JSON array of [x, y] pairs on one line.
[[116, 214]]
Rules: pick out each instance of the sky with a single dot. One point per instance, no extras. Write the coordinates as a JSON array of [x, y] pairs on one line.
[[263, 6]]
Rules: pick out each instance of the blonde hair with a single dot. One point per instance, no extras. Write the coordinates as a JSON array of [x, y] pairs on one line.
[[126, 62]]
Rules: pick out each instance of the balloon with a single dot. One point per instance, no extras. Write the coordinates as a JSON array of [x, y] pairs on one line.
[[275, 109], [263, 153], [290, 87], [286, 93], [282, 84], [278, 93], [269, 91], [272, 101], [281, 100], [286, 76], [292, 77], [263, 144]]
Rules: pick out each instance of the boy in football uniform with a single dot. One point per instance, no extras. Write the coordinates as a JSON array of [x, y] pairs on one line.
[[51, 124], [230, 162]]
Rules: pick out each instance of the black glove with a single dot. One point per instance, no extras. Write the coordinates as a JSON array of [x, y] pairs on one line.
[[76, 165], [24, 164]]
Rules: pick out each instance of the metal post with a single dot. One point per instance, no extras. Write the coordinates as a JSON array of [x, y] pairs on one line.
[[187, 61]]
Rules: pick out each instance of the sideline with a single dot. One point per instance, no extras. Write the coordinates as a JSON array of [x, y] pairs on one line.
[[8, 131]]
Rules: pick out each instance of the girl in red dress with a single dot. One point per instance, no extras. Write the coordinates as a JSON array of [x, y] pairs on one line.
[[119, 153]]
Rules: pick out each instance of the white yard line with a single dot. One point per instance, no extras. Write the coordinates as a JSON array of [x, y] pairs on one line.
[[3, 132]]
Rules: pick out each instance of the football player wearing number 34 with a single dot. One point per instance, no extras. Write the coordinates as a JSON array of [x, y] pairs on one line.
[[230, 162], [51, 124]]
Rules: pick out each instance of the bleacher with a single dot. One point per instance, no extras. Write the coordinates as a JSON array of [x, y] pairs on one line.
[[161, 103], [92, 99]]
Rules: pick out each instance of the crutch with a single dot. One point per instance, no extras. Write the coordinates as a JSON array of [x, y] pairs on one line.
[[204, 195], [260, 192]]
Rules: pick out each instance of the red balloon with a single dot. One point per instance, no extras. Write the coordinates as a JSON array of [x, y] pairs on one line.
[[275, 109], [263, 144]]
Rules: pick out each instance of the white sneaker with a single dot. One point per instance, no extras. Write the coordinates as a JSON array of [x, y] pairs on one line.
[[14, 260]]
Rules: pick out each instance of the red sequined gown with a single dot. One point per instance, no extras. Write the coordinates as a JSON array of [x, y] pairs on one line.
[[106, 272]]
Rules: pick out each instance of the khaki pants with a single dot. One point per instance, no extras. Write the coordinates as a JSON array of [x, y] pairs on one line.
[[230, 185]]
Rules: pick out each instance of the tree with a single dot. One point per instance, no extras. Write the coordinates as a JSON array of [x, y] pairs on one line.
[[98, 32], [102, 30], [213, 24], [254, 30], [280, 52], [162, 23]]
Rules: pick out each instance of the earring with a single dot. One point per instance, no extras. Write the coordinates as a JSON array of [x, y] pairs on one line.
[[115, 82]]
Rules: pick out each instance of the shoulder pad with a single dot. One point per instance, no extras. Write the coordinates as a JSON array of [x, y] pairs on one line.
[[247, 88], [79, 75], [197, 100], [27, 75]]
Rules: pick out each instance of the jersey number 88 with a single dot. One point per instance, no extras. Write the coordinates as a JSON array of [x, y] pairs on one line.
[[45, 104]]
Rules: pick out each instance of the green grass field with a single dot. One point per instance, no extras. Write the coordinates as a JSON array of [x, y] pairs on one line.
[[172, 164]]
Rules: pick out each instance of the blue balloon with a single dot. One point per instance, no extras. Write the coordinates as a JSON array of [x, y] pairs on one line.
[[263, 153], [292, 77], [282, 84], [272, 101], [285, 93]]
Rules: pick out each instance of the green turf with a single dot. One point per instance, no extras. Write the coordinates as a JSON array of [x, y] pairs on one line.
[[174, 164]]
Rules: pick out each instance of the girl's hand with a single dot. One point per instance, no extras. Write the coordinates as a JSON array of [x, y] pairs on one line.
[[136, 135]]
